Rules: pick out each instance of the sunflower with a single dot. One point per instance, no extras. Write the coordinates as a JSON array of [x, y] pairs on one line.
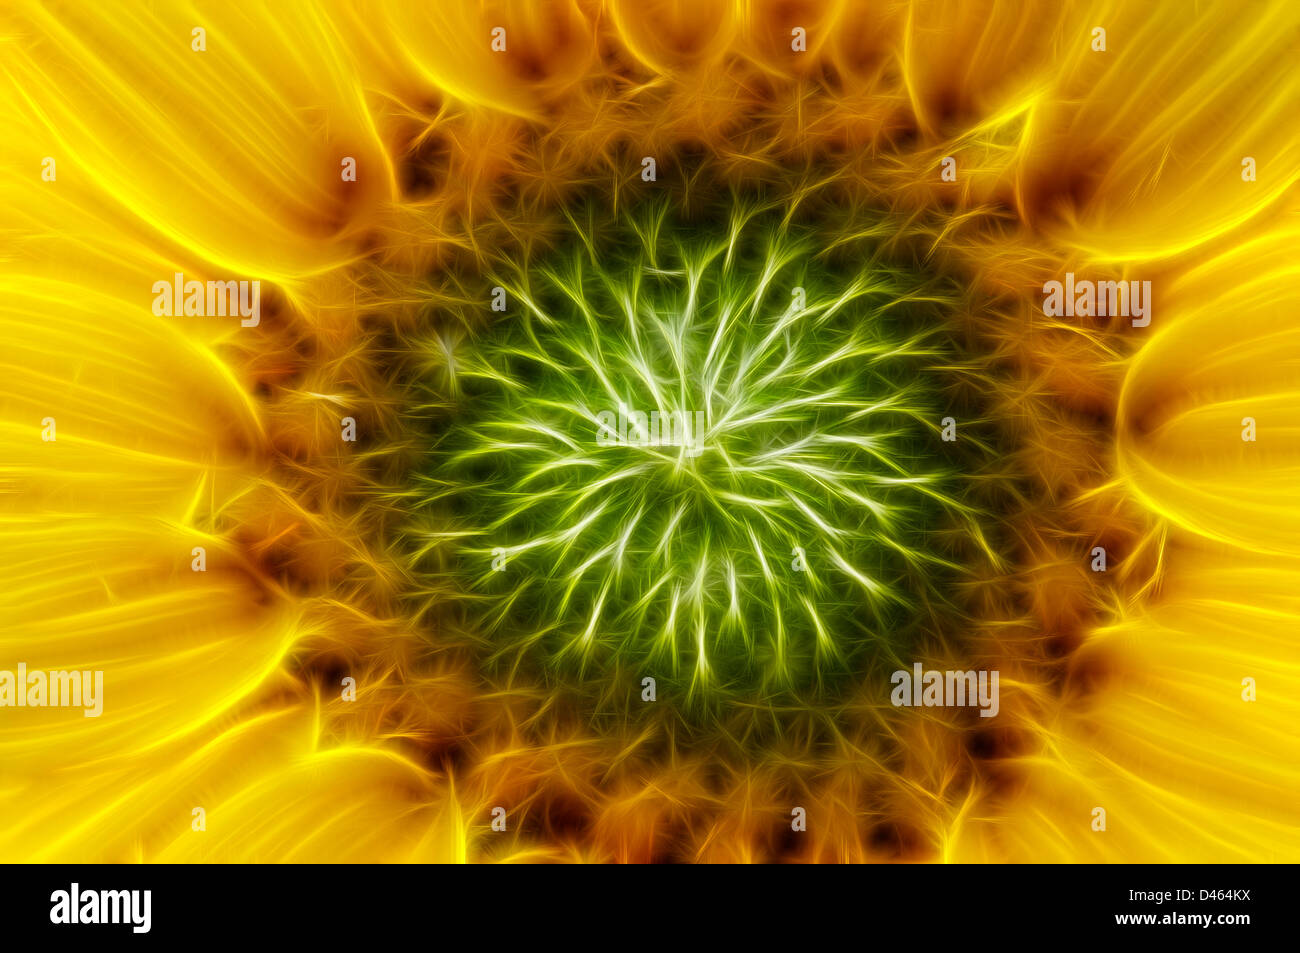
[[570, 421]]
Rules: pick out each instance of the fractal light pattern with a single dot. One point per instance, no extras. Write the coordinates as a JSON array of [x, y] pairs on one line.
[[549, 431]]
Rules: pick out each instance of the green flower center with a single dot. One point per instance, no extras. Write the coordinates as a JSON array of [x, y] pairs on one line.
[[698, 451]]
